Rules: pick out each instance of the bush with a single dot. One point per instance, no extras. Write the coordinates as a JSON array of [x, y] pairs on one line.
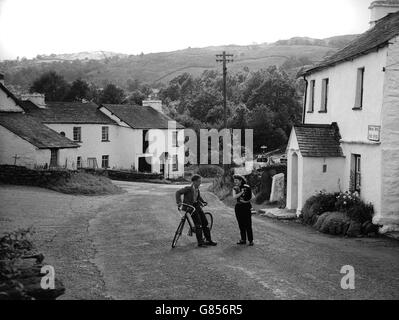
[[361, 212], [354, 207], [316, 205], [209, 171]]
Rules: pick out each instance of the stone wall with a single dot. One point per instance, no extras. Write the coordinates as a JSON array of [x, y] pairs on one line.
[[19, 175]]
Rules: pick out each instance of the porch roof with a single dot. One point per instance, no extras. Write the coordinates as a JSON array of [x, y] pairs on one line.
[[318, 140]]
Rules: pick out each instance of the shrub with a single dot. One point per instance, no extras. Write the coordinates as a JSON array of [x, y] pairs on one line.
[[209, 171], [361, 212], [318, 204]]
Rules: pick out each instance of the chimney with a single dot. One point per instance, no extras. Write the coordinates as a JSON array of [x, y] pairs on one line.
[[155, 104], [2, 79], [37, 98], [380, 9]]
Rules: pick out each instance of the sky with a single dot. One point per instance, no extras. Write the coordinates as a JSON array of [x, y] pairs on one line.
[[32, 27]]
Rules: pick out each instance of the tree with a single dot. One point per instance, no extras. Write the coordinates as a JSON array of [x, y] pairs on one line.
[[79, 90], [112, 95], [52, 85]]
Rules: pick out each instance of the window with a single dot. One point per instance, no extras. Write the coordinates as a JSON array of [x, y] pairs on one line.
[[77, 134], [324, 168], [324, 95], [62, 133], [175, 163], [79, 162], [174, 139], [355, 178], [145, 141], [359, 89], [105, 162], [104, 134], [311, 95]]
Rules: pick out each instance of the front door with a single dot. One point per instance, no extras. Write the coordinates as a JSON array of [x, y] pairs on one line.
[[54, 158], [145, 164]]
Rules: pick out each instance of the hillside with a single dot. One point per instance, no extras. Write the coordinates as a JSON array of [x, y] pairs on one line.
[[104, 67]]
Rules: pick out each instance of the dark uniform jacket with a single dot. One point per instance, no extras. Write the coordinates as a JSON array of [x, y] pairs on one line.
[[247, 195], [188, 193]]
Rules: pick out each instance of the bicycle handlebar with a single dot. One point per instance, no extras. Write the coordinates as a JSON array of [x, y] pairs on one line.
[[203, 204]]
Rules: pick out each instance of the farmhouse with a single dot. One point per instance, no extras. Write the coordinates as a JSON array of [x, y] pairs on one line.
[[140, 138], [26, 141], [349, 139]]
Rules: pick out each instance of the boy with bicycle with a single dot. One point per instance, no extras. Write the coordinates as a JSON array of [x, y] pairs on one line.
[[193, 197]]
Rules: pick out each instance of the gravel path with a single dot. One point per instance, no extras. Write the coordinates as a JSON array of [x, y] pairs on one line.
[[118, 247]]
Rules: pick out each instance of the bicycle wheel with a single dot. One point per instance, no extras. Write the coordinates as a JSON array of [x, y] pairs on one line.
[[178, 232], [209, 217]]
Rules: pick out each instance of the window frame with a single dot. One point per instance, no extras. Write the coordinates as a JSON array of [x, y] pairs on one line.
[[312, 88], [104, 134], [77, 134], [359, 94], [324, 95], [175, 139], [103, 160], [175, 163]]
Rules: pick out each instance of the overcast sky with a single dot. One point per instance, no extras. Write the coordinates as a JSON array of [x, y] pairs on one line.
[[31, 27]]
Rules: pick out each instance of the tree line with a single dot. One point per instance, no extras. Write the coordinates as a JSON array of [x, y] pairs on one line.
[[267, 101]]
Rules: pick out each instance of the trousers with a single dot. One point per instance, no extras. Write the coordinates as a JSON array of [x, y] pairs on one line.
[[201, 225], [244, 219]]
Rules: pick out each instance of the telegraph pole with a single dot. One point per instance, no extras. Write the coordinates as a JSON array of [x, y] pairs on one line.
[[224, 58]]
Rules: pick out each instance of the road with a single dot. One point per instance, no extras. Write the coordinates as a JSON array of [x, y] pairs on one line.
[[118, 247]]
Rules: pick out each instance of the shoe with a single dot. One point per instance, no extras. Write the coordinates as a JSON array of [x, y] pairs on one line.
[[241, 242], [251, 243], [211, 243]]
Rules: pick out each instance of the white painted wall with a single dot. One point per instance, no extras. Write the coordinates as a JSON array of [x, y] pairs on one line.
[[125, 145], [311, 178], [379, 162], [353, 124], [28, 154], [389, 213]]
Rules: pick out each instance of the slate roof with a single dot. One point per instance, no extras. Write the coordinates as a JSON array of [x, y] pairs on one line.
[[318, 140], [139, 117], [384, 30], [36, 133], [67, 112], [9, 93]]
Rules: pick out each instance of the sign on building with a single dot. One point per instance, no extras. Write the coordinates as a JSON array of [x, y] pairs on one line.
[[374, 133]]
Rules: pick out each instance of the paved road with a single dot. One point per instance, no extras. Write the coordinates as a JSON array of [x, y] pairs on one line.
[[289, 261], [119, 247]]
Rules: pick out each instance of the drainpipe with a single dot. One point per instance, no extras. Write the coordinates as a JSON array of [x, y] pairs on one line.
[[304, 100]]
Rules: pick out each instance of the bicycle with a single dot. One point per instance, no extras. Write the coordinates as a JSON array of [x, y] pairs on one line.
[[187, 216]]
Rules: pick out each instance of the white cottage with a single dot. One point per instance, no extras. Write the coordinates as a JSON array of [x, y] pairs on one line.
[[26, 141], [349, 139], [116, 136]]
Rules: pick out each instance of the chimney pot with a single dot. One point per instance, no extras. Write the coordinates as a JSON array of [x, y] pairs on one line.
[[380, 9]]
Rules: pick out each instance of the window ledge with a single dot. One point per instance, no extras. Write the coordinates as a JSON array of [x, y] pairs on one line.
[[357, 109], [322, 111], [309, 111], [79, 141], [105, 141]]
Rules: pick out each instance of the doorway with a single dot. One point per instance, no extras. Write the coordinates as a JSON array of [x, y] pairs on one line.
[[294, 182], [145, 164]]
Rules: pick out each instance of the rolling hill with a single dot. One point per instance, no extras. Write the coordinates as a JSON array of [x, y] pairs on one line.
[[106, 67]]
